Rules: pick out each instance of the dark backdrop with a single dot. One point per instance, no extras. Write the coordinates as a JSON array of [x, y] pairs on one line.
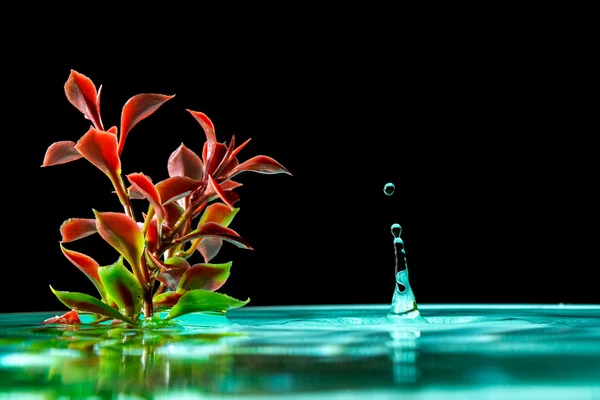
[[484, 137]]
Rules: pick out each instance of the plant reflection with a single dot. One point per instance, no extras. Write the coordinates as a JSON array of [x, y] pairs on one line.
[[82, 361], [100, 360]]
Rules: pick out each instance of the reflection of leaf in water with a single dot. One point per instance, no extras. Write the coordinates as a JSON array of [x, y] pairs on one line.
[[101, 360]]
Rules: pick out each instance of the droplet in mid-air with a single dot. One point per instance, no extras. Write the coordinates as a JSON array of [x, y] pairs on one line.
[[396, 230], [389, 188]]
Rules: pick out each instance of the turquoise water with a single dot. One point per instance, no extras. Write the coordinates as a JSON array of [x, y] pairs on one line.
[[322, 352]]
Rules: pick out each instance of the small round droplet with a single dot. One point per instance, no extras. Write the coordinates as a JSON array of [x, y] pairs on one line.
[[396, 230], [389, 188]]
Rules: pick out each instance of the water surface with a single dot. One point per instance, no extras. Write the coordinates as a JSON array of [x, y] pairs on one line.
[[484, 351]]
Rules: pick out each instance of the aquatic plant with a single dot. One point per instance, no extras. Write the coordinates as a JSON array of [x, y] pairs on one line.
[[188, 213]]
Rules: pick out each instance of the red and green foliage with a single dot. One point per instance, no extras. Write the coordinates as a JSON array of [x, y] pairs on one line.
[[188, 213]]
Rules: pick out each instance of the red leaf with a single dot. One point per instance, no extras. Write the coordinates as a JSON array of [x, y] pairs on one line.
[[222, 215], [152, 236], [113, 130], [81, 92], [88, 266], [100, 148], [209, 194], [212, 229], [175, 188], [138, 108], [152, 261], [60, 153], [209, 130], [229, 185], [260, 164], [229, 167], [168, 299], [70, 317], [175, 268], [219, 213], [218, 156], [228, 197], [184, 162], [156, 263], [122, 233], [225, 158], [232, 162], [172, 213], [77, 228], [199, 209], [144, 185], [209, 247], [177, 263], [204, 276], [134, 193], [238, 149]]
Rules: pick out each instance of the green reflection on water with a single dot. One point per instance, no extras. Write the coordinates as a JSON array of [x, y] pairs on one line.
[[87, 360]]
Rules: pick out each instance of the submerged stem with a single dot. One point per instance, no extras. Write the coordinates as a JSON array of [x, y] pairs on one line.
[[148, 303]]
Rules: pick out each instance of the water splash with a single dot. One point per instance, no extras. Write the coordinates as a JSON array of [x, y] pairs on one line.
[[389, 189], [404, 305]]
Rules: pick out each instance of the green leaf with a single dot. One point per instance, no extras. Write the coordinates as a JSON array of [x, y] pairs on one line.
[[204, 276], [201, 300], [85, 302], [122, 287]]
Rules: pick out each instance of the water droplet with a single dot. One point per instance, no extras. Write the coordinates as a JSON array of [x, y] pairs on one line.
[[396, 230], [389, 188]]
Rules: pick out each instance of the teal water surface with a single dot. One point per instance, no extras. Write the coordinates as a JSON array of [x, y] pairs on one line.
[[337, 352]]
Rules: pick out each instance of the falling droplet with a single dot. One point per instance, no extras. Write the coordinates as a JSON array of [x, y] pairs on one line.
[[389, 188], [396, 230]]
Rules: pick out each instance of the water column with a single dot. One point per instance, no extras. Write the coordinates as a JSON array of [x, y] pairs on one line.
[[404, 305]]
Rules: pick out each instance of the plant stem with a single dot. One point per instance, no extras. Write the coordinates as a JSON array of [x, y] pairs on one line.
[[168, 242], [187, 215], [121, 190], [188, 253], [142, 276], [179, 224], [148, 304], [148, 220]]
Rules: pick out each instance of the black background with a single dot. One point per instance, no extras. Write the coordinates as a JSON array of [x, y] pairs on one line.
[[485, 135]]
